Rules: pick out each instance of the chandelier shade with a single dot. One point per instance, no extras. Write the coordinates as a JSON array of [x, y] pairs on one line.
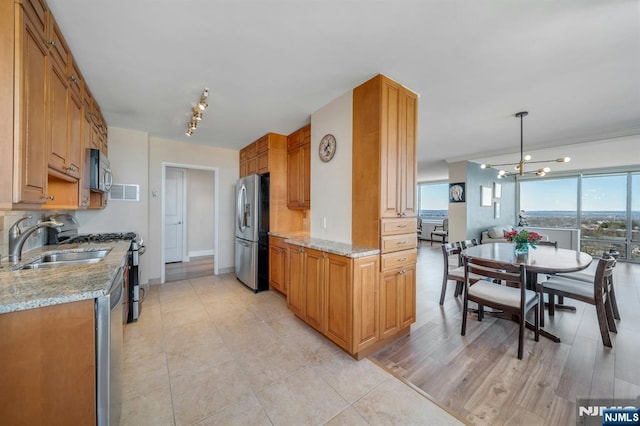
[[519, 167]]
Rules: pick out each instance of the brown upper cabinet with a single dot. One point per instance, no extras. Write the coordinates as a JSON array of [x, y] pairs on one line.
[[41, 85], [299, 169]]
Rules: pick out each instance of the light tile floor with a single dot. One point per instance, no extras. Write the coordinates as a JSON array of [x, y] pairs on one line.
[[208, 351]]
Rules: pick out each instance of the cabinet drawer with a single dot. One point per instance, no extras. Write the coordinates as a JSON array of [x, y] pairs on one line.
[[398, 259], [398, 226], [398, 242]]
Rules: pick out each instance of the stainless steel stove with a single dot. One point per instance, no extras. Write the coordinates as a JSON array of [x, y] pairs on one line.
[[68, 234]]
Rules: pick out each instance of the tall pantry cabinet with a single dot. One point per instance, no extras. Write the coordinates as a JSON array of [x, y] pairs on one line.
[[384, 194]]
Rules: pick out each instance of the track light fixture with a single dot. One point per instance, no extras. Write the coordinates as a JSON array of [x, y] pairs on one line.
[[196, 112], [524, 159]]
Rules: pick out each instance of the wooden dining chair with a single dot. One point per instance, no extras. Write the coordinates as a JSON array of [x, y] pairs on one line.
[[588, 277], [453, 269], [468, 243], [513, 298], [595, 293]]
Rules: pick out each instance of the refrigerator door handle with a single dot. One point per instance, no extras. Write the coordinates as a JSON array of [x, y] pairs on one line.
[[242, 195]]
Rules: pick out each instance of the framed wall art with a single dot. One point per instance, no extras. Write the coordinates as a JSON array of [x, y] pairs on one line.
[[456, 192], [485, 200], [497, 190]]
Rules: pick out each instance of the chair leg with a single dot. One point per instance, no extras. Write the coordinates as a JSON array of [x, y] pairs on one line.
[[611, 323], [480, 312], [560, 300], [541, 307], [465, 305], [552, 304], [444, 288], [614, 303], [602, 323], [521, 337], [538, 319]]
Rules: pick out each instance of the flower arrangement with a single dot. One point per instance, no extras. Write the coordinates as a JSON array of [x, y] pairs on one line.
[[523, 238]]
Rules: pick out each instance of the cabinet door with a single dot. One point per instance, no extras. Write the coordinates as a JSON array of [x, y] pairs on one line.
[[366, 321], [48, 365], [244, 168], [390, 150], [75, 153], [263, 163], [31, 154], [252, 166], [277, 257], [314, 288], [389, 303], [407, 179], [295, 276], [305, 175], [407, 290], [338, 318], [58, 108], [294, 162]]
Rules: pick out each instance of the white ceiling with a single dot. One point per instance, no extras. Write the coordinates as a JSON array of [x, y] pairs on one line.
[[573, 64]]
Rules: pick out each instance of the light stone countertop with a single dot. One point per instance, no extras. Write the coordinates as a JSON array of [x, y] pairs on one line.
[[342, 249], [287, 235], [33, 288]]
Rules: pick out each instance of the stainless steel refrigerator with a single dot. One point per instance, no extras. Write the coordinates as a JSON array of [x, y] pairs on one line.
[[252, 231]]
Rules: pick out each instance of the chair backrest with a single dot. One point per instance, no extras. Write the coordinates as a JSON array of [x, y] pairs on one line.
[[448, 250], [548, 243], [603, 277], [503, 271], [469, 243], [445, 225]]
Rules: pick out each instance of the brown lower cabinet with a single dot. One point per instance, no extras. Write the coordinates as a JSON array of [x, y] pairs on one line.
[[339, 296], [47, 365], [277, 264]]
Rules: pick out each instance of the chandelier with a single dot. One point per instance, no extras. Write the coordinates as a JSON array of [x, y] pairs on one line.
[[519, 167]]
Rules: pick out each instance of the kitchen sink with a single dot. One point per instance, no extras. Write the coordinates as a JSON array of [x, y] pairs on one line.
[[67, 258]]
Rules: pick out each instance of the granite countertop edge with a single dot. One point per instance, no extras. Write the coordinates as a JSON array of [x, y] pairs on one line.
[[342, 249], [35, 288]]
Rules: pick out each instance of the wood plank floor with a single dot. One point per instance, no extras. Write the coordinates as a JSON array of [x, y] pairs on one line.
[[196, 267], [479, 377]]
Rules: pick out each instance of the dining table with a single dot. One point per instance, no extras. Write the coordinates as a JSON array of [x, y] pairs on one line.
[[539, 260]]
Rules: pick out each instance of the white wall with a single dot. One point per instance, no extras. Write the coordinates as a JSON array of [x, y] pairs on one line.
[[181, 154], [128, 154], [200, 225], [331, 181]]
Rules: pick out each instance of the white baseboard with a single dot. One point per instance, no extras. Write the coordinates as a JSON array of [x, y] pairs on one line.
[[199, 253]]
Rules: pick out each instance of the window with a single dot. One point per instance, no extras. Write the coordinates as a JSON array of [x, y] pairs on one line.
[[634, 249], [433, 199], [603, 219], [550, 203]]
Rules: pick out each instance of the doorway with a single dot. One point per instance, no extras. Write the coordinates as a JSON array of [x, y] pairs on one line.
[[190, 221]]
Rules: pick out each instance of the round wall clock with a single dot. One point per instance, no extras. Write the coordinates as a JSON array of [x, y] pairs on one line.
[[327, 148]]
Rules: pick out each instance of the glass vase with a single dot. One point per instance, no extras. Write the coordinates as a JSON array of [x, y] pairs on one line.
[[521, 248]]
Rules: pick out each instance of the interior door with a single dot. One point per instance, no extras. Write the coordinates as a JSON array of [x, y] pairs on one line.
[[173, 215]]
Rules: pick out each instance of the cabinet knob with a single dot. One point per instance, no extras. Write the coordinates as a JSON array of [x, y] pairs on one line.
[[403, 214], [402, 259], [51, 43], [402, 226], [73, 79], [402, 272], [51, 197], [401, 243]]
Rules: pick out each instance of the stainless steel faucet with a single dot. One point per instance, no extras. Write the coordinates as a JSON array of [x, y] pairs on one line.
[[17, 236]]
